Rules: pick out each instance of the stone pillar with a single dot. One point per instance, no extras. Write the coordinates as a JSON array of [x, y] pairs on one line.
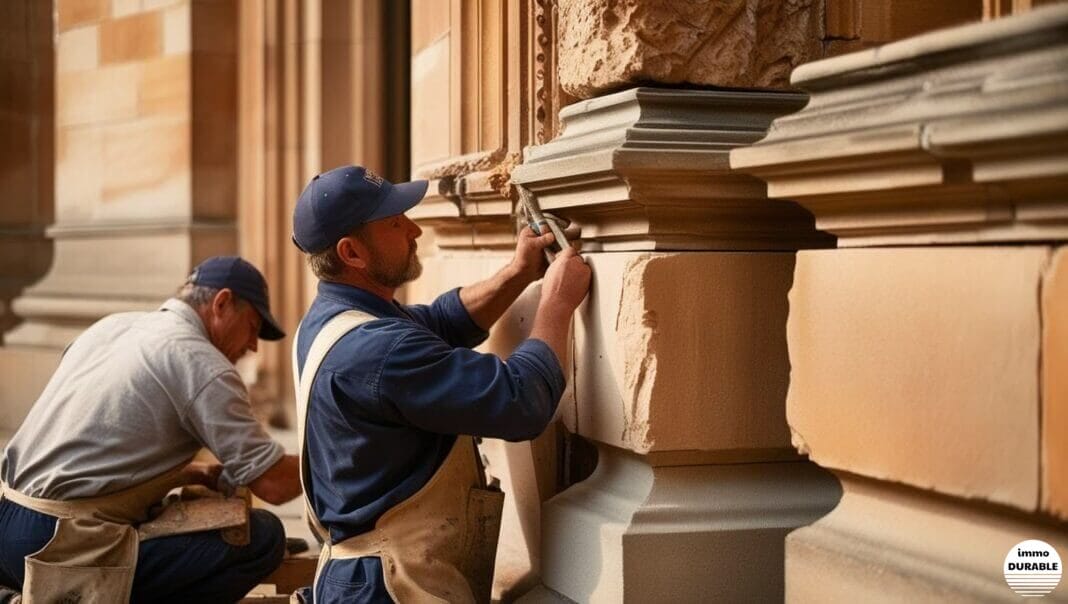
[[145, 168], [680, 367], [928, 352]]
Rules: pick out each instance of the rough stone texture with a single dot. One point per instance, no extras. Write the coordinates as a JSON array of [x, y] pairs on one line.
[[920, 366], [1055, 385], [887, 544], [606, 45], [684, 351]]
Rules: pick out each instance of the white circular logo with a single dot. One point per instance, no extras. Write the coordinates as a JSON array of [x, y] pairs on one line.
[[1032, 568]]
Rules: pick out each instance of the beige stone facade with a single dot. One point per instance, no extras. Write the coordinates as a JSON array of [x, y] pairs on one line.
[[823, 355]]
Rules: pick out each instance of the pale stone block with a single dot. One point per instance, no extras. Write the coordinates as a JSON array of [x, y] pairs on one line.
[[79, 172], [633, 532], [122, 8], [165, 87], [1055, 385], [76, 49], [606, 45], [886, 544], [146, 170], [640, 382], [72, 13], [920, 365], [104, 94], [431, 112], [133, 38], [177, 30]]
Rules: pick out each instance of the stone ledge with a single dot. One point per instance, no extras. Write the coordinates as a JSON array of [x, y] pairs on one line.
[[647, 169], [957, 136]]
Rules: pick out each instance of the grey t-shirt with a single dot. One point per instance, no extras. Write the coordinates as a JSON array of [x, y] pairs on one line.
[[134, 396]]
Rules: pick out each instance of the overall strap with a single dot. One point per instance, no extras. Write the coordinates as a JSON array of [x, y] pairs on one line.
[[331, 333]]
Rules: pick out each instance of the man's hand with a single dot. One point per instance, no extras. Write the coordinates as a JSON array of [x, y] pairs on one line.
[[566, 283], [563, 289], [202, 473], [529, 260]]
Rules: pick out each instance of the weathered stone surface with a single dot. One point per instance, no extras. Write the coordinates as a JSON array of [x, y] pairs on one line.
[[684, 352], [886, 544], [635, 532], [920, 365], [607, 45], [955, 136], [1055, 385]]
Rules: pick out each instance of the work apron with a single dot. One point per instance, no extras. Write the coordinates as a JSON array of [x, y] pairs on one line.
[[438, 545], [92, 555]]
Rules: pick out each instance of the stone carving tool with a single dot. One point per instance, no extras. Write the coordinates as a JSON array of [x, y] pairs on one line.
[[538, 222]]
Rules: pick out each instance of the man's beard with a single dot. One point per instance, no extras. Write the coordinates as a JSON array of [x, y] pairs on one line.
[[396, 276]]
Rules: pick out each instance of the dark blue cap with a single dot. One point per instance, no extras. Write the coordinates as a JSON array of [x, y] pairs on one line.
[[336, 202], [245, 281]]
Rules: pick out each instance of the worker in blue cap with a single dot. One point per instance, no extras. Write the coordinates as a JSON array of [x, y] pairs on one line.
[[390, 395], [135, 397]]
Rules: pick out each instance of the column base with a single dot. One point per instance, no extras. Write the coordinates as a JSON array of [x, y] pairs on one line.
[[641, 533]]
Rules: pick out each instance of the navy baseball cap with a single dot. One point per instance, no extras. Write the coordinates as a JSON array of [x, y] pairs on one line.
[[245, 281], [336, 202]]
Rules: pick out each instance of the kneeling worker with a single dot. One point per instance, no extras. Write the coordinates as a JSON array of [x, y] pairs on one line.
[[390, 395], [134, 398]]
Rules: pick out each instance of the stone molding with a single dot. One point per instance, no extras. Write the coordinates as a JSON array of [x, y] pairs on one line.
[[955, 136], [615, 537], [647, 169]]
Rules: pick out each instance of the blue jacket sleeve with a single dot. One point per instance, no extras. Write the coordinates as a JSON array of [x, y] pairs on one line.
[[448, 318], [446, 390]]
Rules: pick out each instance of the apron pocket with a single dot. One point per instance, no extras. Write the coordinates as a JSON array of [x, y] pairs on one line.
[[87, 561], [480, 539]]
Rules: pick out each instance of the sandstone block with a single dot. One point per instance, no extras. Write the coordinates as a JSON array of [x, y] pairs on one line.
[[607, 45], [108, 93], [131, 38], [146, 170], [122, 8], [77, 49], [79, 172], [431, 113], [1055, 385], [177, 30], [165, 87], [920, 365], [885, 544], [72, 13], [684, 352]]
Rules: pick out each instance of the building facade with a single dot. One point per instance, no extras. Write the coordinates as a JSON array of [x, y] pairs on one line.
[[824, 353]]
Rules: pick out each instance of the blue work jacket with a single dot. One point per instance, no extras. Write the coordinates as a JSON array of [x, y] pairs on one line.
[[388, 402]]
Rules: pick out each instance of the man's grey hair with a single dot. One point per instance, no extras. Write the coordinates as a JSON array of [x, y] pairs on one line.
[[196, 295]]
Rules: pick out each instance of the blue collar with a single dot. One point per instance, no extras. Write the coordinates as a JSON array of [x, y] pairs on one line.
[[361, 299]]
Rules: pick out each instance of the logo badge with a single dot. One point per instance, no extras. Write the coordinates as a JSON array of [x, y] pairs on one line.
[[1032, 568], [372, 178]]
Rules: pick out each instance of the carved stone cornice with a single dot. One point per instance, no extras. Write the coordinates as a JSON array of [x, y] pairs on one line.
[[956, 136], [647, 169]]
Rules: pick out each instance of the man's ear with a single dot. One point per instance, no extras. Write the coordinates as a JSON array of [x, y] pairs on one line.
[[352, 252], [219, 303]]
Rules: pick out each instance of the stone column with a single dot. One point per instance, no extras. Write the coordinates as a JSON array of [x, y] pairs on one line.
[[928, 352], [145, 166]]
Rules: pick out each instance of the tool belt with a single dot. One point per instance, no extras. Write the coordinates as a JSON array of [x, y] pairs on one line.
[[439, 545], [92, 555]]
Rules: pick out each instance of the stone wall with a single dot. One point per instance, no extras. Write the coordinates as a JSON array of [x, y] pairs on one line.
[[927, 351]]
